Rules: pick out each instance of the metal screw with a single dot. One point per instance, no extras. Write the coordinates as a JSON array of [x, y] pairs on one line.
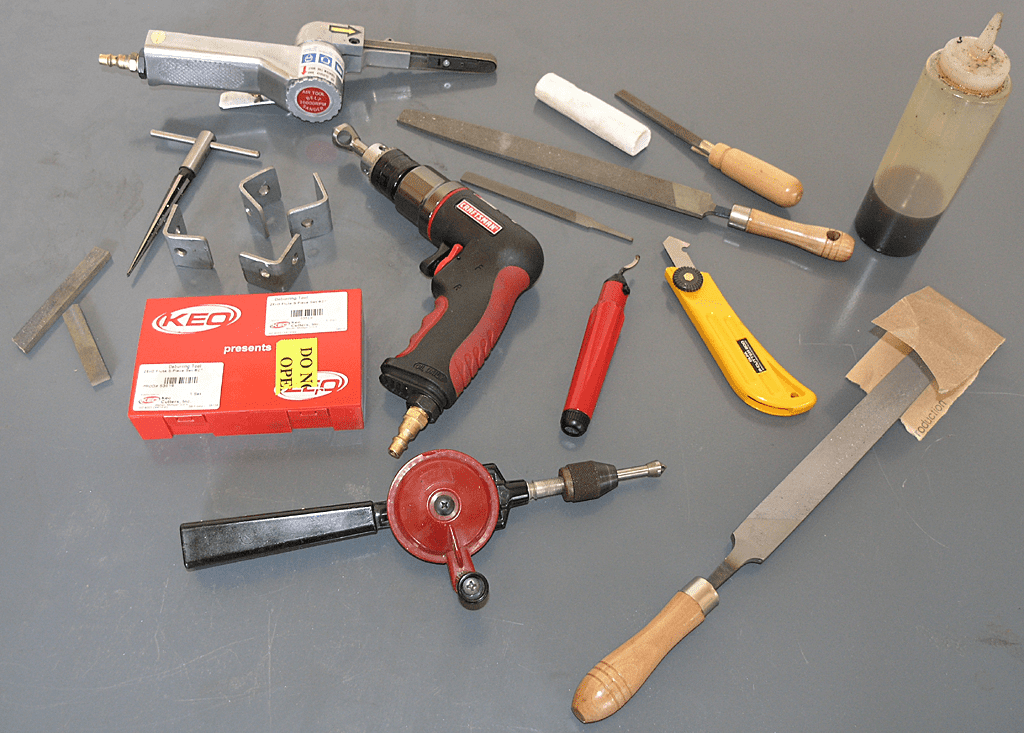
[[472, 588], [444, 505]]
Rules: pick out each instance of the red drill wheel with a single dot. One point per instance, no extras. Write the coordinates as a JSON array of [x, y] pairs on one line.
[[443, 507]]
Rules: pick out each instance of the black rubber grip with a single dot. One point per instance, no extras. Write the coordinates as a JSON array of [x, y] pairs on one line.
[[218, 541]]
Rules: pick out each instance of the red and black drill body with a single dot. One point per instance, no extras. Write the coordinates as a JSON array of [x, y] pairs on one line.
[[484, 262]]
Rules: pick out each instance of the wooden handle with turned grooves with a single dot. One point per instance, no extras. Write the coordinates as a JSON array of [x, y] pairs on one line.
[[831, 244], [760, 177], [614, 680]]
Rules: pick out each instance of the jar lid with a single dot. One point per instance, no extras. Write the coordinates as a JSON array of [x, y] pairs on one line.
[[976, 65]]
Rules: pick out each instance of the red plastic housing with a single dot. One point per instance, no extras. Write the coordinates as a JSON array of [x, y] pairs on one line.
[[452, 536], [211, 364], [598, 347]]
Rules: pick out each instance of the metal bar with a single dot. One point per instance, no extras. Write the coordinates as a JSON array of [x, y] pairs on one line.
[[214, 145], [672, 126], [86, 346], [62, 297], [817, 474], [398, 55], [576, 167], [535, 202]]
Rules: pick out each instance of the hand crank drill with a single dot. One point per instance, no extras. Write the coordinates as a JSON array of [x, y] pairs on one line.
[[442, 507]]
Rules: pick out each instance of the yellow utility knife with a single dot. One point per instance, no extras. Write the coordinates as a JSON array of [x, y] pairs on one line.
[[753, 374]]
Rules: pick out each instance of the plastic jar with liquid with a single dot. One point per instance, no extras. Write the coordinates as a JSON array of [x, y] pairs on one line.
[[956, 101]]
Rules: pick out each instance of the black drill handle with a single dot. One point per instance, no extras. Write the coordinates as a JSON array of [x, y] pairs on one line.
[[218, 541], [487, 262]]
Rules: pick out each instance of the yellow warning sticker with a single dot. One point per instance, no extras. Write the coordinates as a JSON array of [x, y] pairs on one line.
[[296, 364], [345, 29]]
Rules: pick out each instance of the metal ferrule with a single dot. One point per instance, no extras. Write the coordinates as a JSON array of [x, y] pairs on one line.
[[651, 470], [703, 149], [739, 217], [420, 192], [704, 593], [545, 488], [200, 149], [370, 156]]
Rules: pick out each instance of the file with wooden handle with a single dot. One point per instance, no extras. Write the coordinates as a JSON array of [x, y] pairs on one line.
[[826, 242], [761, 177], [615, 679]]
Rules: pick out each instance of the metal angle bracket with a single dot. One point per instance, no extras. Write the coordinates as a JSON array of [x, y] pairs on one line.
[[308, 221], [187, 250], [275, 275], [258, 190], [312, 220]]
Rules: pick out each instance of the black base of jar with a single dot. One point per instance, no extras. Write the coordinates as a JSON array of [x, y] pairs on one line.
[[889, 232]]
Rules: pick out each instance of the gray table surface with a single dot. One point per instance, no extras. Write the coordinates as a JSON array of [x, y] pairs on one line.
[[897, 605]]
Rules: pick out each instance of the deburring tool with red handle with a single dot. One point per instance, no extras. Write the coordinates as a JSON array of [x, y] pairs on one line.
[[599, 340]]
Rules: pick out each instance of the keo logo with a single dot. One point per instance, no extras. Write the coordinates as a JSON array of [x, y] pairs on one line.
[[326, 383], [196, 318]]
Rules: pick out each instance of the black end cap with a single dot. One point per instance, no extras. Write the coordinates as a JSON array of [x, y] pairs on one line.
[[575, 423]]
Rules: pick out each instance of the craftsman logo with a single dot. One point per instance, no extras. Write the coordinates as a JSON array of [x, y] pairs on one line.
[[478, 216], [196, 318], [326, 383], [751, 356]]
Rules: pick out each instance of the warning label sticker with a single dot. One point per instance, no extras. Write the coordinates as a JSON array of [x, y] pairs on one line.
[[296, 365]]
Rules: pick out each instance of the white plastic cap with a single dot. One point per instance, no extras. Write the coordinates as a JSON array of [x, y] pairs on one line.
[[976, 65]]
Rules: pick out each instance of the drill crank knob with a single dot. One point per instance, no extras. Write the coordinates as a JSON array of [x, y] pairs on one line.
[[472, 589], [443, 507]]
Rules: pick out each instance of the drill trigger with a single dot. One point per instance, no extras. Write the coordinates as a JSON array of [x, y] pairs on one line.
[[444, 254], [452, 254]]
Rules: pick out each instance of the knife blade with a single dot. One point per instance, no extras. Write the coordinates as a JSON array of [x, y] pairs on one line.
[[611, 683], [831, 244], [759, 176]]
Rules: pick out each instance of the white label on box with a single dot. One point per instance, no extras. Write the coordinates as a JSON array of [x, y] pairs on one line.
[[298, 313], [178, 387]]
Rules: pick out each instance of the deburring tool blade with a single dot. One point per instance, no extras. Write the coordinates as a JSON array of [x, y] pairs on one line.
[[831, 244]]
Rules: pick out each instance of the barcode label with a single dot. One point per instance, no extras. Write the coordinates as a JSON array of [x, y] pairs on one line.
[[174, 381], [297, 314], [192, 387]]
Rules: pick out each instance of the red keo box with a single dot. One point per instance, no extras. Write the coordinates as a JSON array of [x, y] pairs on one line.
[[244, 364]]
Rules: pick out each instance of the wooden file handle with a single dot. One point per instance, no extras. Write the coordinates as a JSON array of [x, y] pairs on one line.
[[760, 177], [831, 244], [614, 680]]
